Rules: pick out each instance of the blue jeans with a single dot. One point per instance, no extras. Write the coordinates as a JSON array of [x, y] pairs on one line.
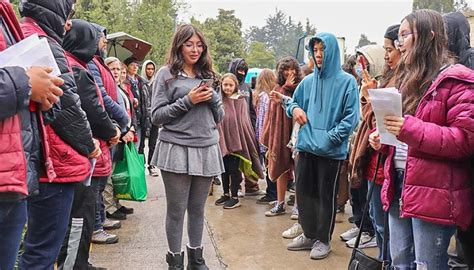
[[99, 183], [377, 215], [48, 219], [12, 222], [414, 242]]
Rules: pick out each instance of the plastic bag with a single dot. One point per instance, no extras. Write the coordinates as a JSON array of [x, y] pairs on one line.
[[129, 176]]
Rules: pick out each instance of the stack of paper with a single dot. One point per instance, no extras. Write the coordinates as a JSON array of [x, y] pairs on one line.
[[386, 102], [29, 52]]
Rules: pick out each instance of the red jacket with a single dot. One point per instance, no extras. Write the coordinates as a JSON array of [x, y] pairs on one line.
[[103, 166], [107, 78], [65, 164], [440, 139]]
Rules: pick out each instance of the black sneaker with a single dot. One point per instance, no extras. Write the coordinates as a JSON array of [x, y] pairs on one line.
[[265, 200], [217, 181], [291, 200], [224, 198], [117, 215], [232, 203], [126, 210]]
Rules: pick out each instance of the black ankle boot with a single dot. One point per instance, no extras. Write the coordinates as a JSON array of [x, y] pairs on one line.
[[195, 259], [175, 261]]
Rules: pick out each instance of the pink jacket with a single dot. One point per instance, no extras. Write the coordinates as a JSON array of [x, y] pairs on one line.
[[440, 139]]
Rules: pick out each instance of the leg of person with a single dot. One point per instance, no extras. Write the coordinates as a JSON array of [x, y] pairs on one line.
[[466, 241], [431, 244], [12, 221], [141, 145], [99, 184], [327, 175], [195, 207], [138, 134], [75, 250], [177, 189], [111, 204], [152, 143], [343, 190], [402, 250], [48, 219], [377, 215], [235, 180]]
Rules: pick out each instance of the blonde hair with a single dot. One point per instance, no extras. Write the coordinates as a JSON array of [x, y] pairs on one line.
[[266, 81], [233, 78]]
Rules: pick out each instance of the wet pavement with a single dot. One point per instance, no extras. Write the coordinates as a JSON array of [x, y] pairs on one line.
[[241, 238]]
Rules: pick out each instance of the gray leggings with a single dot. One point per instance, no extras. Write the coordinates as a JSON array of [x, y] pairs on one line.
[[185, 192]]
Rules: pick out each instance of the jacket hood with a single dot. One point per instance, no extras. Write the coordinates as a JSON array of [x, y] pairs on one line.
[[82, 40], [101, 30], [235, 64], [331, 60], [51, 15], [143, 70], [458, 31], [375, 55]]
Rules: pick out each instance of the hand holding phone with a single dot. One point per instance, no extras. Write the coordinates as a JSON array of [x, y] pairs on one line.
[[206, 82]]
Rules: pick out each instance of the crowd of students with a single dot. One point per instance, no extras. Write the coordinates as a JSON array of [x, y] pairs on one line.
[[312, 126]]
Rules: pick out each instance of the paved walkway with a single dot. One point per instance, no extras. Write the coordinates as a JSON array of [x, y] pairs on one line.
[[241, 238]]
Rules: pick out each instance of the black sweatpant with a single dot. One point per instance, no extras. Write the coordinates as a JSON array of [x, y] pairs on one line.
[[74, 252], [316, 192], [232, 176], [152, 142]]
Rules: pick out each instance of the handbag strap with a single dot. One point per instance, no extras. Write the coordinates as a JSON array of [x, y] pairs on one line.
[[385, 241], [366, 206]]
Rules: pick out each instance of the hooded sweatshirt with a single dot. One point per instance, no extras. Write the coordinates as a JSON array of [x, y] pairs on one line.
[[143, 72], [375, 55], [458, 31], [330, 99]]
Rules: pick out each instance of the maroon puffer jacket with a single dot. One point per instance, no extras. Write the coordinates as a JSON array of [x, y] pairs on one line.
[[440, 139]]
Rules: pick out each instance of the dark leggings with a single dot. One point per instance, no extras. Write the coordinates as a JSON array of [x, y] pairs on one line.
[[232, 176]]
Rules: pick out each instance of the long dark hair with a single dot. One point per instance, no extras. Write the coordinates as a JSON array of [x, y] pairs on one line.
[[288, 62], [203, 67], [427, 56]]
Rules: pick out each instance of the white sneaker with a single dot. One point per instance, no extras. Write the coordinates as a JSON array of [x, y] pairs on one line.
[[294, 213], [293, 232], [366, 241], [240, 194], [351, 233]]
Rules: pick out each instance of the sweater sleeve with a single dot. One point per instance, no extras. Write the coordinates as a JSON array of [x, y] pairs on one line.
[[296, 101], [217, 107], [164, 110], [456, 140]]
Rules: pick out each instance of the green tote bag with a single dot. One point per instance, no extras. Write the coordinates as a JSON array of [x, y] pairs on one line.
[[129, 176]]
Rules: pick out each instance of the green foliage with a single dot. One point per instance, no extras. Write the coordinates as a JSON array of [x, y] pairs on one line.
[[280, 34], [224, 37], [150, 20], [443, 6], [259, 56]]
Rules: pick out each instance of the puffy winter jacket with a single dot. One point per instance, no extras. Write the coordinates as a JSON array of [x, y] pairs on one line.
[[440, 139], [71, 136], [108, 89], [81, 43]]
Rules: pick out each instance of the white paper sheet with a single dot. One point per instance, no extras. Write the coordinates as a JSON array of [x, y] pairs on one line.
[[29, 52], [386, 101]]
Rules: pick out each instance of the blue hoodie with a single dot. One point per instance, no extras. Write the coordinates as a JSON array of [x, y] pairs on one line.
[[330, 99]]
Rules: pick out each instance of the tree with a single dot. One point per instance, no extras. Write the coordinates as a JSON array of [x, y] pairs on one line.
[[442, 6], [363, 41], [224, 35], [259, 56], [280, 34]]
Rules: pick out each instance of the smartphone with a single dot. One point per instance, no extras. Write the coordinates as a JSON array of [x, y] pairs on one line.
[[207, 82], [362, 62]]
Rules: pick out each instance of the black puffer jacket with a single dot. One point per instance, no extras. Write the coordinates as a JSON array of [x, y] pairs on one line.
[[458, 31], [82, 42], [46, 18]]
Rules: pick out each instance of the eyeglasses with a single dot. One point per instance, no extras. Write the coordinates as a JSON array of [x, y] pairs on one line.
[[401, 39]]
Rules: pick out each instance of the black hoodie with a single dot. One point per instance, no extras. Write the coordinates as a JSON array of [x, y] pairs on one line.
[[82, 42], [234, 65], [51, 15], [458, 31]]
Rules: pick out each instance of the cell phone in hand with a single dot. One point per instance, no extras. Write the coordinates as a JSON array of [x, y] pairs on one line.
[[206, 82]]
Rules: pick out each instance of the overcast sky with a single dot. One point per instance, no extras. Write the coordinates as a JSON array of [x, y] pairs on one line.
[[345, 18]]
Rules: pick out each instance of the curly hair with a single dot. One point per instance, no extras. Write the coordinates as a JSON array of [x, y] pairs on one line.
[[287, 63]]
